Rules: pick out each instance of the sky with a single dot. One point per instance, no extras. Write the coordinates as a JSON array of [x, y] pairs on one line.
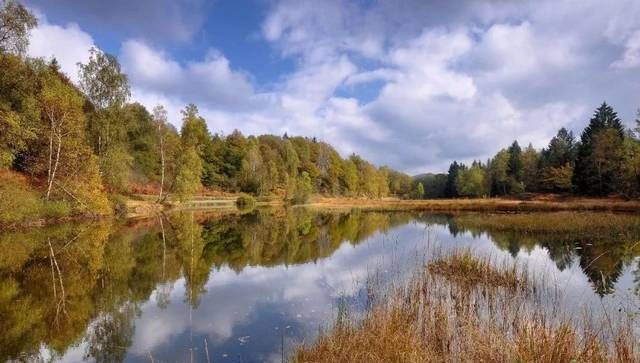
[[412, 84]]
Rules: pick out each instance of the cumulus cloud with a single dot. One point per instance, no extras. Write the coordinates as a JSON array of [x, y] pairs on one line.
[[67, 43], [462, 81], [407, 83], [210, 81]]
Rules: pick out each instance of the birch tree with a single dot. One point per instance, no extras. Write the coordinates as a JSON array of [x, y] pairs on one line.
[[62, 110], [160, 119]]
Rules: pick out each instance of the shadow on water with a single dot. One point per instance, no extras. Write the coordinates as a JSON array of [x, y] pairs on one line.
[[239, 287]]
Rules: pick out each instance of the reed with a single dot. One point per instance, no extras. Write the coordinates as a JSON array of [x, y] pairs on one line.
[[464, 308]]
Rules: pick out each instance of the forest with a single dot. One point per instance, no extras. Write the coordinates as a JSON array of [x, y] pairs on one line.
[[604, 161], [68, 149], [81, 149]]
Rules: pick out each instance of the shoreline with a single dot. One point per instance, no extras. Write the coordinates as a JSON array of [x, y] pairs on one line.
[[143, 206]]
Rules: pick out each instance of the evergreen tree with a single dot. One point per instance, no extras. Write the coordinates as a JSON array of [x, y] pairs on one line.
[[194, 130], [450, 190], [561, 150], [530, 162], [598, 153], [515, 162], [498, 173]]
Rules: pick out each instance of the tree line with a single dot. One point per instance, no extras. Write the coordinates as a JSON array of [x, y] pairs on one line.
[[605, 160], [82, 143]]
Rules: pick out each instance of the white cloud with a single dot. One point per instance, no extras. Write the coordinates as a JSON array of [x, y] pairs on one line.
[[406, 83], [68, 44], [514, 52], [211, 81]]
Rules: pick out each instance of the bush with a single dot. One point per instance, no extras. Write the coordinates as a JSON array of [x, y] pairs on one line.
[[303, 189], [22, 204], [245, 202], [55, 209], [119, 205]]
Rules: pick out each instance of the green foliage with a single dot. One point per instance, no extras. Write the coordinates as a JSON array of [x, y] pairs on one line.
[[400, 184], [194, 130], [514, 169], [143, 142], [303, 189], [419, 192], [19, 111], [606, 160], [471, 182], [598, 157], [119, 205], [498, 173], [450, 190], [15, 24], [561, 150], [245, 202], [556, 179], [102, 80], [530, 161], [116, 169], [77, 143], [629, 177], [22, 204], [434, 184], [189, 170]]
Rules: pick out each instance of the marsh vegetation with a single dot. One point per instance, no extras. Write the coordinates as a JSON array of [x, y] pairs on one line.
[[277, 275], [462, 308]]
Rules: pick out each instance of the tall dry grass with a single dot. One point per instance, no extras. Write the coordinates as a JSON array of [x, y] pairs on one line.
[[463, 308]]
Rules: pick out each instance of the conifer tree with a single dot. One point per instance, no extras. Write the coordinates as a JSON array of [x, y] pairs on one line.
[[600, 143], [450, 187]]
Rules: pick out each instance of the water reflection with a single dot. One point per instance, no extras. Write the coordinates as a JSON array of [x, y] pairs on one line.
[[241, 287]]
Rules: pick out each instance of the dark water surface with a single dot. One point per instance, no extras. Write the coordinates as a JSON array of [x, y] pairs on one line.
[[192, 287]]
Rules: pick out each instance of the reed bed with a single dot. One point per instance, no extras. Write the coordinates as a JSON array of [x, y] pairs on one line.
[[538, 204], [555, 222], [464, 308]]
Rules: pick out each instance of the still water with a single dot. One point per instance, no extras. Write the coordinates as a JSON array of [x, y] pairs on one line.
[[194, 287]]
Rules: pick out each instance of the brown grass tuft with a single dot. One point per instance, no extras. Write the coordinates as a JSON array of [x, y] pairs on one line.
[[463, 309], [462, 267]]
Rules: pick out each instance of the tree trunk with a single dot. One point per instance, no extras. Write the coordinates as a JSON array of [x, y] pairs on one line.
[[49, 180], [161, 161], [52, 175]]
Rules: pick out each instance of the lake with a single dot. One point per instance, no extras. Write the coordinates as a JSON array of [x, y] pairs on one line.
[[250, 287]]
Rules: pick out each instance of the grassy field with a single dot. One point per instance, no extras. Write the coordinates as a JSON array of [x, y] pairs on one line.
[[462, 308]]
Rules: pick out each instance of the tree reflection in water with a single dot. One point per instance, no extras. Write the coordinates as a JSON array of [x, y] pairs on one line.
[[73, 285]]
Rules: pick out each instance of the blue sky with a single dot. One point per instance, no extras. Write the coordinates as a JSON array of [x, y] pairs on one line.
[[408, 83]]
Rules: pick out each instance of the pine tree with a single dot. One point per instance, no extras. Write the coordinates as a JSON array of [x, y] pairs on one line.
[[600, 141], [515, 162], [450, 190]]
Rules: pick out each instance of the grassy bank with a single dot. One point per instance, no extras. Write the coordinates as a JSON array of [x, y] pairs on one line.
[[462, 308], [542, 204], [22, 205], [575, 223]]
